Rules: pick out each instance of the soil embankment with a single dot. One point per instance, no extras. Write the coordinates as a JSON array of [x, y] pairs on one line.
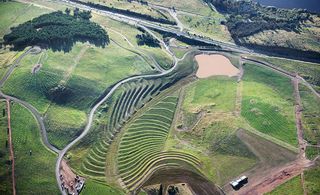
[[214, 65], [197, 183]]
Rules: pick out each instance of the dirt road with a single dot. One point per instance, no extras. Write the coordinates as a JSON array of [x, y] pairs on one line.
[[276, 177], [11, 148]]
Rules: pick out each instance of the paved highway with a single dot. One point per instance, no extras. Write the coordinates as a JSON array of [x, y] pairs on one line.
[[157, 26]]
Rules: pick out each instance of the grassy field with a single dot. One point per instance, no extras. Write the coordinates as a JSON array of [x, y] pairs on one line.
[[291, 187], [5, 168], [40, 165], [211, 94], [93, 187], [14, 13], [309, 71], [63, 124], [312, 181], [311, 113], [119, 30], [268, 103]]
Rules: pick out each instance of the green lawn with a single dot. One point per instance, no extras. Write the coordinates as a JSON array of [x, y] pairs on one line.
[[63, 124], [312, 181], [214, 94], [291, 187], [93, 187], [5, 168], [34, 173], [268, 103], [14, 13]]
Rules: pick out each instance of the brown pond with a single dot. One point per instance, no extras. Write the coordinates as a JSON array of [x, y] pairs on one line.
[[211, 65], [198, 184]]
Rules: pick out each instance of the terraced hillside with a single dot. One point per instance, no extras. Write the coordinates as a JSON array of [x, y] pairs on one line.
[[131, 98], [141, 148]]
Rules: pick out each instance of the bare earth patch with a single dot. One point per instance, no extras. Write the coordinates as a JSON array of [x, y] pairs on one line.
[[212, 65]]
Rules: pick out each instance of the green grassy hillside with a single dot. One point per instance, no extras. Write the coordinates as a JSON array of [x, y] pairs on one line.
[[34, 173], [268, 103]]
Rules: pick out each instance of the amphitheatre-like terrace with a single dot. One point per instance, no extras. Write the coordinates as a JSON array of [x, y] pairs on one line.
[[156, 97]]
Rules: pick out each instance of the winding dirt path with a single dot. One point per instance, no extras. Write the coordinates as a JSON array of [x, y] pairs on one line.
[[11, 148]]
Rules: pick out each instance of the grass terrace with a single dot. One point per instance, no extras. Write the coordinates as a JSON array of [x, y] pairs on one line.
[[127, 100], [140, 149], [93, 187]]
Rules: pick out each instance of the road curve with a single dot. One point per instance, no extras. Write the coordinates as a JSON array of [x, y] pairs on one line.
[[93, 110], [37, 116], [13, 66], [32, 109]]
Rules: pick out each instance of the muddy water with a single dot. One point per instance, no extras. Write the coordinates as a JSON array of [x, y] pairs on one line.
[[211, 65], [198, 184]]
